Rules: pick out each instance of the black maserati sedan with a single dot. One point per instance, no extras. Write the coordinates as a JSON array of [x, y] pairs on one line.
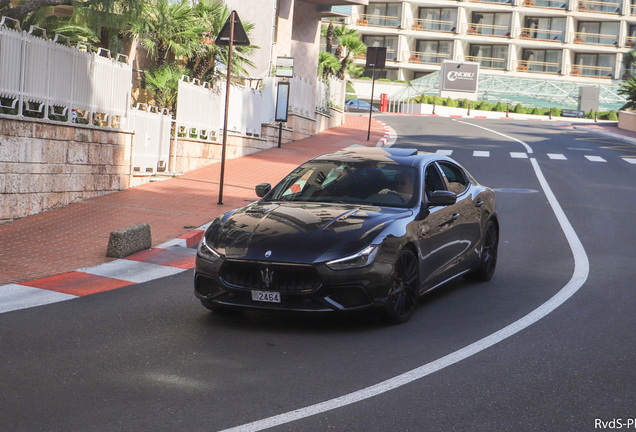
[[359, 228]]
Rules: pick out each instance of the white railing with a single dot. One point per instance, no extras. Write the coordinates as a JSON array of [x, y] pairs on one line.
[[45, 76], [329, 94], [152, 138], [301, 97]]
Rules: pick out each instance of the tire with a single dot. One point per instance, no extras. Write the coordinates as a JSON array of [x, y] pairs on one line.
[[404, 291], [488, 261]]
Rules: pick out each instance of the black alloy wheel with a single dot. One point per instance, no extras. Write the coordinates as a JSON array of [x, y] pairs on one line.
[[488, 263], [404, 290]]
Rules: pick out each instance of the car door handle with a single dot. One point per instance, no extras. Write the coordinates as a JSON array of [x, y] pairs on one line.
[[479, 203], [455, 217]]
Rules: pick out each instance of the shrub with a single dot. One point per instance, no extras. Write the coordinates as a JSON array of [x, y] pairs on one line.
[[499, 107], [589, 115], [519, 109], [384, 79], [613, 115], [556, 112], [462, 103], [537, 111], [365, 78], [484, 106], [450, 102]]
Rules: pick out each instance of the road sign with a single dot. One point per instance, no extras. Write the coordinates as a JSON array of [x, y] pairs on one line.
[[376, 57], [240, 37]]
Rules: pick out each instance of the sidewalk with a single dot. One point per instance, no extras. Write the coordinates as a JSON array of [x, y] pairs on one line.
[[76, 236]]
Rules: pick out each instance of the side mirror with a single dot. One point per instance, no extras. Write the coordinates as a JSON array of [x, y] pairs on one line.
[[442, 198], [263, 189]]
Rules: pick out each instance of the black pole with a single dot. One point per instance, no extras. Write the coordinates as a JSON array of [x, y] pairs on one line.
[[371, 107], [280, 132], [227, 104]]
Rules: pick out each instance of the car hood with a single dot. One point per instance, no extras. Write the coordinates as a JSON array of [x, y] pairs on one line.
[[300, 232]]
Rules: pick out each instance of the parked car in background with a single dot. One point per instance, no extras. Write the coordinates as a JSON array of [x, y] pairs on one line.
[[357, 105], [359, 228]]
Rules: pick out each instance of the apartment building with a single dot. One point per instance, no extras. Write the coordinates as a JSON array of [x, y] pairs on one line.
[[566, 40]]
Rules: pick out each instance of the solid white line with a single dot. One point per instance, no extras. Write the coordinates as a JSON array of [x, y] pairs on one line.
[[595, 158], [556, 156], [528, 149], [581, 271], [15, 297]]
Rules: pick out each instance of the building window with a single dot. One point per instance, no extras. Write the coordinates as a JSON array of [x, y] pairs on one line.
[[444, 19], [383, 14], [547, 29], [432, 52], [491, 24], [594, 65], [597, 33], [417, 75], [541, 61], [390, 42], [489, 56]]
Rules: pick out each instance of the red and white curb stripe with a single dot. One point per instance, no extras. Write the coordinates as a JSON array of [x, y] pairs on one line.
[[167, 259]]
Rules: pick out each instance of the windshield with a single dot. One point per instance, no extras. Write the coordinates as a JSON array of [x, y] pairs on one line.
[[368, 182]]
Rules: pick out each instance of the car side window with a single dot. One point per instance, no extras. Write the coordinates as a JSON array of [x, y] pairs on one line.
[[455, 178], [432, 180]]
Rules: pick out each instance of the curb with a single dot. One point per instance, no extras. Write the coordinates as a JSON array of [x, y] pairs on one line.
[[387, 133], [609, 134]]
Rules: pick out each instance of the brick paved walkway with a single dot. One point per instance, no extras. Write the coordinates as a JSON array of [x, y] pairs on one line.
[[76, 235]]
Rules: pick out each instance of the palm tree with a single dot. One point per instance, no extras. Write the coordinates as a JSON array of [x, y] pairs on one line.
[[168, 27], [162, 83], [328, 64], [211, 15], [628, 88], [339, 32], [354, 47]]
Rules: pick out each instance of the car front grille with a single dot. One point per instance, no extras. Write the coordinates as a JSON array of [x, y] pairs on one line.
[[270, 277]]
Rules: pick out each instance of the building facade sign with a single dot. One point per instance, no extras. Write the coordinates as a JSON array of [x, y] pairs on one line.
[[459, 76]]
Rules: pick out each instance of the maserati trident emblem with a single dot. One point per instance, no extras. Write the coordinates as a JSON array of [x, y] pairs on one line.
[[268, 254], [267, 277]]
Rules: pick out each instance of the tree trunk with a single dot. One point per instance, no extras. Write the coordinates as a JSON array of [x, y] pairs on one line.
[[201, 68], [329, 38], [343, 68]]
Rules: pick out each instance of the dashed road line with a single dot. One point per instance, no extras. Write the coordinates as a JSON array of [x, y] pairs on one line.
[[595, 158], [517, 155], [556, 156], [477, 153]]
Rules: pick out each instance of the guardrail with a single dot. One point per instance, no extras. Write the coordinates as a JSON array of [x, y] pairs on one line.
[[487, 30], [543, 35], [594, 39]]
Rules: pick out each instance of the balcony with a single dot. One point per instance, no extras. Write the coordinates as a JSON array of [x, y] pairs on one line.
[[391, 55], [488, 62], [539, 67], [630, 42], [543, 35], [501, 2], [378, 21], [595, 39], [592, 71], [431, 25], [486, 30], [594, 6], [546, 4], [415, 57]]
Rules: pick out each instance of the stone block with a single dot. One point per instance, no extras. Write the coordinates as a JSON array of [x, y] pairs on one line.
[[129, 240], [20, 128], [84, 135], [93, 153], [10, 149], [106, 154], [54, 151], [77, 153]]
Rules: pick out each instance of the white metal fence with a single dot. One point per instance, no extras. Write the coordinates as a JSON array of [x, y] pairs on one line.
[[152, 138], [301, 97], [49, 78], [329, 93]]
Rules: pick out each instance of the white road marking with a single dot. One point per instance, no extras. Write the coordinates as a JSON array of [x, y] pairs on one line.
[[516, 155], [528, 148], [579, 276], [595, 158], [556, 156], [630, 160], [481, 153], [444, 152], [132, 271], [15, 297]]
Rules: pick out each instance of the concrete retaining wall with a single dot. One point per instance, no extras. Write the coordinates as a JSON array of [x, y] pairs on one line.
[[44, 165], [627, 120]]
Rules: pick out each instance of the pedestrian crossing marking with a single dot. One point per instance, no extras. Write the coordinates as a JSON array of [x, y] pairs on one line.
[[630, 160], [445, 152], [481, 153], [595, 158], [556, 156], [517, 155]]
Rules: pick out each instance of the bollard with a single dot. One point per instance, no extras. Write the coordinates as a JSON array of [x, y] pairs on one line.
[[595, 116], [550, 113], [433, 107], [468, 108], [507, 111]]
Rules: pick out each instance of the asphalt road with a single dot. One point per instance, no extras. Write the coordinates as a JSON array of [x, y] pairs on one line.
[[149, 357]]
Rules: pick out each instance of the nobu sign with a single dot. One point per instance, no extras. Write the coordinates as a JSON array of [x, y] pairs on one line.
[[460, 76]]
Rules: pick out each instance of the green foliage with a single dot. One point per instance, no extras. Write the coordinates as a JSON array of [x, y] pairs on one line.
[[162, 83], [328, 64], [383, 79], [589, 115], [537, 111], [450, 102], [519, 109], [365, 78], [484, 106], [499, 107], [612, 115], [628, 89], [400, 81]]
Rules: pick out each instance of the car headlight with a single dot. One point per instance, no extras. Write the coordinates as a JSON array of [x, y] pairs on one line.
[[361, 259], [207, 252]]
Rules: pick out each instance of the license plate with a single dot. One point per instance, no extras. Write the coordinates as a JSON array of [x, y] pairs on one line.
[[266, 296]]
